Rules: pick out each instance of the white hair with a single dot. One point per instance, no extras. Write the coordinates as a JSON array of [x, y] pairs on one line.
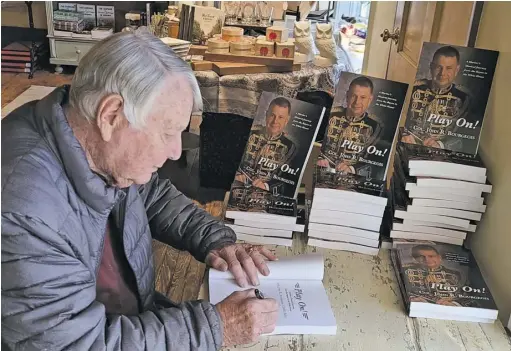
[[133, 65]]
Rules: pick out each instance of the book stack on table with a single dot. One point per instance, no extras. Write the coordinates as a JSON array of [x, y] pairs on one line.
[[436, 194], [346, 212], [266, 203], [259, 217], [439, 185], [349, 197]]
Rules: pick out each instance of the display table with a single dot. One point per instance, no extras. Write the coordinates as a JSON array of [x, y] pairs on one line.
[[370, 315]]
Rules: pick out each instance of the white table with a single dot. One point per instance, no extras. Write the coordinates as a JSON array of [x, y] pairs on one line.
[[370, 314]]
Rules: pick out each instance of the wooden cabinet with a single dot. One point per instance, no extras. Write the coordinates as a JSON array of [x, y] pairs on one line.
[[65, 50]]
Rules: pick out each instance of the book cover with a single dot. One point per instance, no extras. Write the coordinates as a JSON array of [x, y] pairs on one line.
[[362, 125], [67, 6], [279, 144], [328, 179], [252, 199], [416, 152], [442, 274], [89, 15], [106, 16], [207, 21], [449, 97]]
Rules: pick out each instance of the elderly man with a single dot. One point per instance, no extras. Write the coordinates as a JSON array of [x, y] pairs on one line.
[[270, 142], [438, 103], [351, 130], [81, 201]]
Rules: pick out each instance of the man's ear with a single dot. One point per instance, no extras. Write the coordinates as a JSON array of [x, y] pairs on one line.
[[110, 115]]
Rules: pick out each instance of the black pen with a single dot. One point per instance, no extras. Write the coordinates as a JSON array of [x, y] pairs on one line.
[[259, 294]]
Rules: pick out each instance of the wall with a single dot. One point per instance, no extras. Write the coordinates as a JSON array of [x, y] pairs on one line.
[[15, 14], [492, 241], [377, 52]]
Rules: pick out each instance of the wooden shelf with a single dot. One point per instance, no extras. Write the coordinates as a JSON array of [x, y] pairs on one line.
[[257, 60]]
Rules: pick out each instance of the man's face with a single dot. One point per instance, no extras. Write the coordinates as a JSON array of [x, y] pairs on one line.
[[276, 120], [429, 258], [358, 98], [135, 154], [444, 70]]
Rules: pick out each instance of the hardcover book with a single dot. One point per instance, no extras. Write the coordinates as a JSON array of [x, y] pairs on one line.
[[279, 144], [362, 125], [207, 21], [443, 279], [296, 283], [449, 97], [105, 16], [89, 15]]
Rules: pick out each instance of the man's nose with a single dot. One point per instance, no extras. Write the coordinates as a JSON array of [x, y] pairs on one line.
[[175, 148]]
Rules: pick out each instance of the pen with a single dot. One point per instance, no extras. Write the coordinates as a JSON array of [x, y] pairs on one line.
[[259, 294]]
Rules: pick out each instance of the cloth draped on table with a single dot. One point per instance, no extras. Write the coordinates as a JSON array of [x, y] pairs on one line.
[[239, 94]]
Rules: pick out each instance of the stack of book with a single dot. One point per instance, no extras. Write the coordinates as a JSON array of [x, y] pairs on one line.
[[65, 23], [21, 57], [262, 203], [85, 21], [439, 185], [349, 197], [180, 47], [437, 194], [346, 212], [442, 281], [257, 216]]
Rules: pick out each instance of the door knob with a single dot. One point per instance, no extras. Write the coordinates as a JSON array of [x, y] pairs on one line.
[[386, 35]]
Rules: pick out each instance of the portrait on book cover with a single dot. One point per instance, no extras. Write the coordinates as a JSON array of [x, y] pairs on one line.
[[362, 125], [441, 274], [279, 142], [449, 97]]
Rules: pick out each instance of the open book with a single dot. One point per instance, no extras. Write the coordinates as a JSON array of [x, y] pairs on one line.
[[296, 283]]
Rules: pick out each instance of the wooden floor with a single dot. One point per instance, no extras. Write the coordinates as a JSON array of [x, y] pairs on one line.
[[178, 274], [13, 84]]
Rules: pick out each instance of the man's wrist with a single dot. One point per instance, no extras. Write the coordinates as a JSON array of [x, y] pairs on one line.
[[218, 245]]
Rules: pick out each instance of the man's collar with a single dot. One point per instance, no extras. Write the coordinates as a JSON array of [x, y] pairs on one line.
[[357, 119], [269, 137], [91, 188], [441, 90]]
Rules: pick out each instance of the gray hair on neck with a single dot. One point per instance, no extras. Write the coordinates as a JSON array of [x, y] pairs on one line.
[[133, 65]]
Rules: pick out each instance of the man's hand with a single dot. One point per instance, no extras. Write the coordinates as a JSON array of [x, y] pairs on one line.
[[241, 178], [245, 317], [409, 139], [323, 163], [431, 143], [258, 183], [241, 260], [344, 168]]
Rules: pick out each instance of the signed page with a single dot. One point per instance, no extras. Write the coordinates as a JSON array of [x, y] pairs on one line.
[[295, 282]]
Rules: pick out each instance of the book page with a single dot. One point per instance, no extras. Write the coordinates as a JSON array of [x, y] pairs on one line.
[[304, 307], [303, 267]]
